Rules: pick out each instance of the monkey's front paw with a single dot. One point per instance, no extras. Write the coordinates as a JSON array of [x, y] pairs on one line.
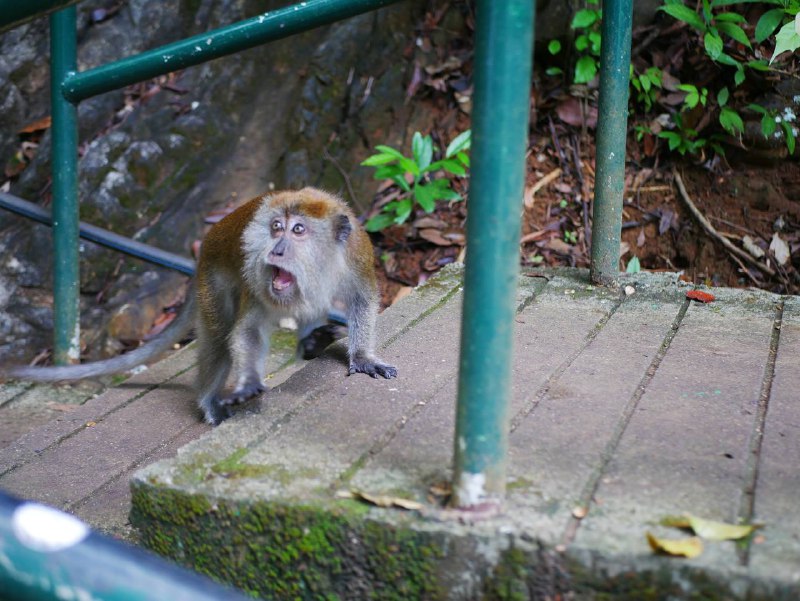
[[372, 368], [244, 393]]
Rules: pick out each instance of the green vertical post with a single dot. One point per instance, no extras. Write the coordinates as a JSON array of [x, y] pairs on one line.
[[612, 126], [503, 61], [64, 165]]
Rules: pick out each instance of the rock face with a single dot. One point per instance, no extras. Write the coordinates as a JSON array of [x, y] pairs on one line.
[[157, 157]]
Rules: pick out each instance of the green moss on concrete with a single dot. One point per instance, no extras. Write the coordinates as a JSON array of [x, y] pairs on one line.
[[233, 467], [324, 551], [509, 581]]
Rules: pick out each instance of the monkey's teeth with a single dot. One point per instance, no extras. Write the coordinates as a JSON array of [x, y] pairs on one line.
[[281, 279]]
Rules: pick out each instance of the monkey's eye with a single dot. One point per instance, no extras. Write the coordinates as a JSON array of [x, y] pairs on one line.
[[298, 229], [277, 226]]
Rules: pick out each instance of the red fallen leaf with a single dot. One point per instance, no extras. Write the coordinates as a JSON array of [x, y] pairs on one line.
[[161, 323], [38, 125], [699, 295]]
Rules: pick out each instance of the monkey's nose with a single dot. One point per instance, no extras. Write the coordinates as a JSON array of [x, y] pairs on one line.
[[279, 248]]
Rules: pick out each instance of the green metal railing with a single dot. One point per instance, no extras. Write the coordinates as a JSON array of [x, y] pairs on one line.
[[501, 105], [612, 126], [50, 555], [503, 61]]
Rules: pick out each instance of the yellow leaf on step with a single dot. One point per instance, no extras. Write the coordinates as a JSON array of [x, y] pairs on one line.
[[684, 547]]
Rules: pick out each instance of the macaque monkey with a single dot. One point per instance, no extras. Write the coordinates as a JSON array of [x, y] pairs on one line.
[[283, 254]]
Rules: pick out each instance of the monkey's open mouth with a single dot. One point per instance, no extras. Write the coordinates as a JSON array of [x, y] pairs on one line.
[[281, 279]]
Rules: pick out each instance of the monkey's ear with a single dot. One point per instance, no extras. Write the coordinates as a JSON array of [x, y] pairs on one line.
[[342, 227]]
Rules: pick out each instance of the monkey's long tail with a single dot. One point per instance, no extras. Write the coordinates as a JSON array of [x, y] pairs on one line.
[[173, 333]]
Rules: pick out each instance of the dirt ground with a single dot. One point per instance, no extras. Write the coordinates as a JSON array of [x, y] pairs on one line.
[[737, 224], [758, 201]]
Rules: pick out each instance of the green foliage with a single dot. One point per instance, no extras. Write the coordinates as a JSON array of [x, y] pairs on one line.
[[718, 26], [646, 85], [693, 95], [682, 139], [586, 24], [787, 39], [416, 178], [634, 266], [770, 120]]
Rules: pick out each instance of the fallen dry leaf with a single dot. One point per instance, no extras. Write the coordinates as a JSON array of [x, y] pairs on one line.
[[779, 249], [38, 125], [386, 501], [684, 547], [402, 293], [712, 530], [750, 246], [435, 236], [570, 111], [429, 222]]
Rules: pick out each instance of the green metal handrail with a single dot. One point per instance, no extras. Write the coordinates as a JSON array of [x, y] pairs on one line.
[[64, 167], [268, 27], [50, 555]]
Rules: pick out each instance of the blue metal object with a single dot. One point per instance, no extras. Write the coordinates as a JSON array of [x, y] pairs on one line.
[[270, 26], [503, 62], [612, 127], [102, 237], [64, 166], [49, 555]]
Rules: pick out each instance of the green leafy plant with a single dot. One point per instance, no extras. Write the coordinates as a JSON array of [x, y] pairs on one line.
[[716, 27], [416, 176], [586, 24], [684, 139], [785, 17], [693, 95], [717, 24], [770, 120], [646, 85]]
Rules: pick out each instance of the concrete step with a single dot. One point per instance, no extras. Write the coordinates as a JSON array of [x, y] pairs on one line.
[[626, 409], [82, 458]]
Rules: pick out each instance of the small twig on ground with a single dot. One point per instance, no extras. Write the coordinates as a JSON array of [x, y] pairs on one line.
[[587, 233], [742, 266], [731, 224], [546, 179], [562, 157], [329, 157], [711, 231]]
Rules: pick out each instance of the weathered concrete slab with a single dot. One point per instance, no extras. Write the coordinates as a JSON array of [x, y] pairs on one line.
[[626, 409], [82, 461], [779, 459]]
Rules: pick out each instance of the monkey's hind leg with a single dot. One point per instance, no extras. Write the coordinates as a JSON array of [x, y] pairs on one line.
[[214, 365], [249, 348]]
